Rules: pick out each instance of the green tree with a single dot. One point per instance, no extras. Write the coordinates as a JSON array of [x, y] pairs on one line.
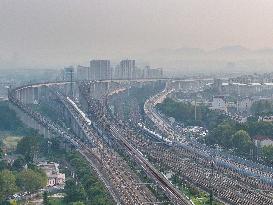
[[8, 119], [1, 153], [13, 202], [30, 180], [10, 122], [242, 142], [74, 192], [93, 188], [262, 107], [7, 184], [28, 146], [222, 135], [260, 128], [267, 152], [185, 113], [55, 144], [3, 165], [78, 203], [18, 164], [45, 198]]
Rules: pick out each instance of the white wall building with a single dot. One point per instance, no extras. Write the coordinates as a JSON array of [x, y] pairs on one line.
[[100, 70], [219, 103], [266, 119], [244, 105], [52, 172], [69, 73], [261, 141], [127, 69], [82, 72]]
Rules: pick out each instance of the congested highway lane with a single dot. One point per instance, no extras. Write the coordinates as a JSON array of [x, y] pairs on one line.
[[250, 177]]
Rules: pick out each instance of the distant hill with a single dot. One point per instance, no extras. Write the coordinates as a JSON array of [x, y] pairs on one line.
[[189, 51], [186, 59], [237, 49], [226, 50]]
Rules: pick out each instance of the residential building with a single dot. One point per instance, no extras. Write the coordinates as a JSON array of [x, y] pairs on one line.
[[152, 72], [146, 71], [127, 69], [244, 105], [266, 119], [69, 74], [82, 72], [219, 103], [261, 141], [138, 73], [53, 174], [100, 70]]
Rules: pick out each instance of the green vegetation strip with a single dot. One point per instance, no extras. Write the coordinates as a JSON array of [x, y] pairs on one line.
[[229, 134]]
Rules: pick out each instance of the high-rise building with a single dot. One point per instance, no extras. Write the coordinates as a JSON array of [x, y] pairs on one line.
[[146, 72], [156, 73], [152, 72], [82, 72], [68, 73], [100, 70], [139, 73], [117, 72], [127, 69]]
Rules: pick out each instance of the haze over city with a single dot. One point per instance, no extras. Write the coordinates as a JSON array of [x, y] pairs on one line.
[[178, 35], [135, 102]]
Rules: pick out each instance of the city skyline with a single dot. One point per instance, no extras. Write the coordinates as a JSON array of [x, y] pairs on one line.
[[53, 34], [136, 102]]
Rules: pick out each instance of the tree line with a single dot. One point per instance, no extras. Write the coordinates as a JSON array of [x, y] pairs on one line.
[[10, 122], [184, 112], [85, 187], [26, 180], [222, 130], [21, 175]]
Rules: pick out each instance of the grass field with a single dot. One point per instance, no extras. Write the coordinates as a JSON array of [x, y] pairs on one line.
[[200, 201], [11, 141], [56, 202]]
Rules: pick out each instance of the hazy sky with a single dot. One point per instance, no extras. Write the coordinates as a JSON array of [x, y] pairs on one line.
[[59, 32]]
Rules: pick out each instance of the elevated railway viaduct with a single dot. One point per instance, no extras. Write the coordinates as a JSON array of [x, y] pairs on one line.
[[123, 185]]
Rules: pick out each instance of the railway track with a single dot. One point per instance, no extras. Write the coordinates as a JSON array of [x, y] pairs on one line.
[[119, 181], [174, 194], [120, 176]]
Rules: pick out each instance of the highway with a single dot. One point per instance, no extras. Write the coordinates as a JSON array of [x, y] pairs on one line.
[[120, 134], [59, 131], [232, 180], [235, 180], [121, 182]]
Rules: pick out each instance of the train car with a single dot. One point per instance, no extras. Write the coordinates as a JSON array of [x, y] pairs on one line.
[[154, 134], [86, 119]]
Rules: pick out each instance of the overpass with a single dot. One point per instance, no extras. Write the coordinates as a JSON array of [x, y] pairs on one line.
[[233, 179], [123, 185]]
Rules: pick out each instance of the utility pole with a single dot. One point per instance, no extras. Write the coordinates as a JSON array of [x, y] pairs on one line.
[[251, 153], [71, 83]]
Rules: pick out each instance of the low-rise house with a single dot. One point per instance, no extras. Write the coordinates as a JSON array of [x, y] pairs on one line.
[[261, 141], [53, 174], [219, 103], [244, 105], [266, 118]]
